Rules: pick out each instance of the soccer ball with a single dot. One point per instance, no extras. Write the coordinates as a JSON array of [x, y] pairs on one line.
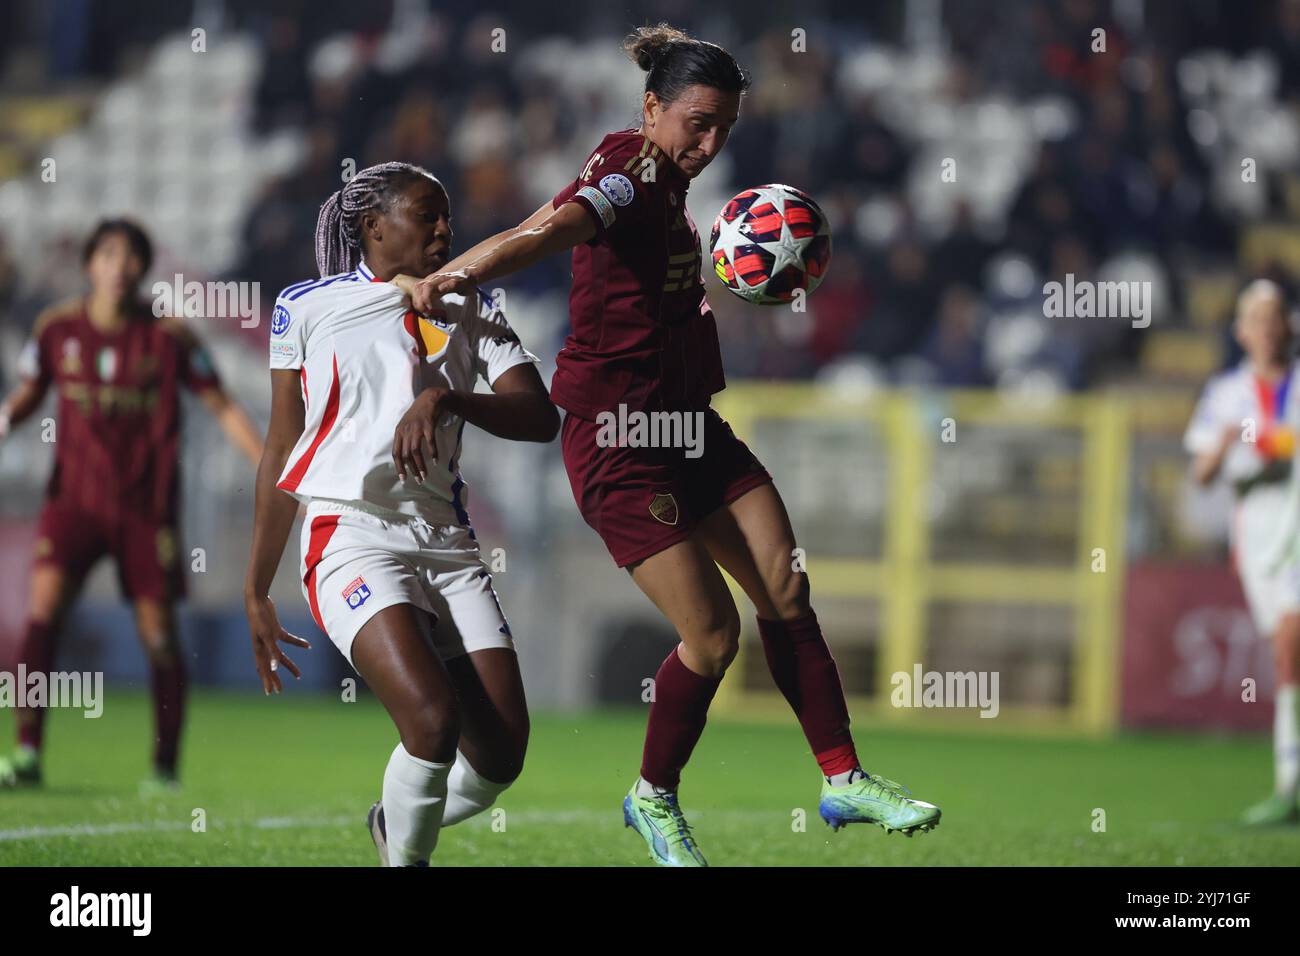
[[770, 241]]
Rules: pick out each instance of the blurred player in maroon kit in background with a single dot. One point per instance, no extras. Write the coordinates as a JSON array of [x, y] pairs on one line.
[[115, 487]]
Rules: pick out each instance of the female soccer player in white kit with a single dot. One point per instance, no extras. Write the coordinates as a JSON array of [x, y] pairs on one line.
[[368, 404], [1243, 430]]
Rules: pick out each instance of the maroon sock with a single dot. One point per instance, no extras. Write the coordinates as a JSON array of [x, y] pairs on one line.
[[805, 673], [36, 655], [677, 716], [168, 680]]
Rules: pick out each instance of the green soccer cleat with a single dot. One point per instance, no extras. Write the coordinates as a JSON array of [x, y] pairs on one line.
[[22, 769], [161, 784], [660, 822], [873, 799], [1275, 811]]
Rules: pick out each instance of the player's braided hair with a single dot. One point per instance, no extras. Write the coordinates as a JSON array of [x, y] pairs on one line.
[[674, 60], [338, 228]]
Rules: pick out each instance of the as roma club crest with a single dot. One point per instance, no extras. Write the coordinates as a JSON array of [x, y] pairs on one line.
[[664, 508], [165, 543]]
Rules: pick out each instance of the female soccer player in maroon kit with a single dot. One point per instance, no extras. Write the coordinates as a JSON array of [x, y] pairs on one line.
[[116, 483], [643, 339]]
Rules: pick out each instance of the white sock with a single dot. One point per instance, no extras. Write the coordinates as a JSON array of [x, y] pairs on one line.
[[1286, 742], [468, 792], [849, 776], [415, 796], [644, 788]]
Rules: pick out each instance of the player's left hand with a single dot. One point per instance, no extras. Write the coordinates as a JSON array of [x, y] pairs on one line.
[[266, 631], [413, 444]]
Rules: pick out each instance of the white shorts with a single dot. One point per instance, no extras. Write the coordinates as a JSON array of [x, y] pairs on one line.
[[357, 562], [1269, 594]]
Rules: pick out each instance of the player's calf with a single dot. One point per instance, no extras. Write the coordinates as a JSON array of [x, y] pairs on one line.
[[414, 800], [469, 792]]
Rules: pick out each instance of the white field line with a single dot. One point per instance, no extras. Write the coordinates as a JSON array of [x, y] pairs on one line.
[[482, 821]]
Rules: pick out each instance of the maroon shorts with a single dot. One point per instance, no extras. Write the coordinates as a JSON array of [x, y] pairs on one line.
[[144, 549], [643, 500]]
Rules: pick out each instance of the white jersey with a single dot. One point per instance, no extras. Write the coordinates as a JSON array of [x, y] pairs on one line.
[[1262, 521], [363, 359], [1232, 400]]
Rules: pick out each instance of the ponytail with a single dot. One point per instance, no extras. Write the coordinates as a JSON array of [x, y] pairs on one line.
[[334, 252]]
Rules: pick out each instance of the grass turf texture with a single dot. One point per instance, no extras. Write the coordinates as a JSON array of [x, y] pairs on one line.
[[287, 781]]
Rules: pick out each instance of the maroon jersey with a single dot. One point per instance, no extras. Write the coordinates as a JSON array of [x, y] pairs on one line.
[[117, 437], [642, 332]]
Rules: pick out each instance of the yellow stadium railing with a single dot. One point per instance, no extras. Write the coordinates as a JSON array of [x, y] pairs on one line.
[[906, 580]]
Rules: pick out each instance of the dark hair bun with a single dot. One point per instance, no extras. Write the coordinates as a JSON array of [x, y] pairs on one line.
[[646, 44]]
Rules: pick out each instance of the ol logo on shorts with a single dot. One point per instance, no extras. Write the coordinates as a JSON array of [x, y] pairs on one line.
[[356, 593]]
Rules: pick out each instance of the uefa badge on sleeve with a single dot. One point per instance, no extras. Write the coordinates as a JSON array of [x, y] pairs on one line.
[[280, 320], [618, 188]]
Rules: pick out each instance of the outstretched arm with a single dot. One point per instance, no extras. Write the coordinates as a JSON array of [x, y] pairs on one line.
[[543, 213], [234, 421], [542, 234]]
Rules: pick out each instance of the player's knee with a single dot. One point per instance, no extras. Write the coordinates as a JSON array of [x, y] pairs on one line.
[[503, 768], [160, 646], [46, 605], [718, 647], [512, 758], [789, 593], [727, 653], [431, 732], [1284, 662], [1286, 649], [43, 613], [502, 760]]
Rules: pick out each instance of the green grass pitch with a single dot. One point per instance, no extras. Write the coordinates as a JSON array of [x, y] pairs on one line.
[[288, 780]]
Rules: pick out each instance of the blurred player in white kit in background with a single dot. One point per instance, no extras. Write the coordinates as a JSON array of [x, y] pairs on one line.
[[1243, 431]]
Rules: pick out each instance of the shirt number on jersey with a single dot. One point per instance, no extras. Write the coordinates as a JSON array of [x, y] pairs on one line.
[[586, 172]]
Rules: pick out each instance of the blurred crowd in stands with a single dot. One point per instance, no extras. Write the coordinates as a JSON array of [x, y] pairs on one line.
[[1098, 164]]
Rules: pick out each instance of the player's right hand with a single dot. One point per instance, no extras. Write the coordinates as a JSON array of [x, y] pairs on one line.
[[414, 451], [267, 633]]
